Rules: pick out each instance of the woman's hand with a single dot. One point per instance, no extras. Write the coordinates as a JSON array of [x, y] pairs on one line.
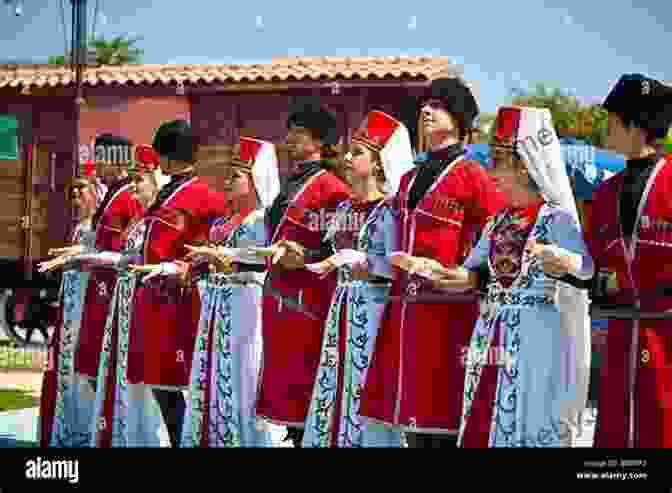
[[422, 266], [356, 260], [288, 254], [203, 251], [66, 251], [168, 269], [53, 264], [152, 270], [221, 261], [553, 263], [324, 267]]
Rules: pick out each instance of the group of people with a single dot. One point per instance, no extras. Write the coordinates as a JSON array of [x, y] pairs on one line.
[[380, 299]]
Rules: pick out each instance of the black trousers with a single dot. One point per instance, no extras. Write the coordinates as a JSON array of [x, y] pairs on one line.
[[295, 435], [173, 407], [427, 440]]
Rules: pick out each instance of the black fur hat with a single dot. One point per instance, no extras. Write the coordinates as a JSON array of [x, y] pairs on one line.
[[175, 140], [457, 97], [643, 101], [317, 119]]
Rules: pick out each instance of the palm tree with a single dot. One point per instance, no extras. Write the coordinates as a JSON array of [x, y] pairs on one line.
[[115, 51]]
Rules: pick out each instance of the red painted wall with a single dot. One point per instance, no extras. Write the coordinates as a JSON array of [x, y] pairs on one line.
[[135, 117]]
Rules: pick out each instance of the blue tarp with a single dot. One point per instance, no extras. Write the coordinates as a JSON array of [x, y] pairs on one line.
[[587, 166]]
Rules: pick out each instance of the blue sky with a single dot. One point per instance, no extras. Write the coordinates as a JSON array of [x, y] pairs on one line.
[[583, 46]]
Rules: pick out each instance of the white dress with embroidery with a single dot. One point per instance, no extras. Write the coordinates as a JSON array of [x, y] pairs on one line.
[[519, 333], [136, 418], [350, 332], [221, 398], [73, 409]]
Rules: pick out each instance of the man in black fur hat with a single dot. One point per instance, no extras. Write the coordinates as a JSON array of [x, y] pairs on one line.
[[292, 336], [416, 377], [169, 310], [631, 244]]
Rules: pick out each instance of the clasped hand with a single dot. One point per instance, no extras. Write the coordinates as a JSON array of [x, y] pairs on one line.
[[553, 263], [61, 256], [288, 254], [176, 268]]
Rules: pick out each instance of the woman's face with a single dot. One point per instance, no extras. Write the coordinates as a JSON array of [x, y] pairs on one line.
[[509, 174], [358, 163], [83, 197], [146, 188], [236, 182]]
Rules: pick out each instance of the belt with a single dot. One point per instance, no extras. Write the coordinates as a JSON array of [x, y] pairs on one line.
[[375, 280], [241, 267], [520, 298], [219, 281], [627, 312]]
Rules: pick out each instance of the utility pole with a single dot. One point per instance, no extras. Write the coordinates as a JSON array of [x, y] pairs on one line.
[[78, 59]]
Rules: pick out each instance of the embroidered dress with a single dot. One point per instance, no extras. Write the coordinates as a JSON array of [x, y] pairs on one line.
[[221, 398], [68, 400], [517, 379], [125, 410], [350, 332]]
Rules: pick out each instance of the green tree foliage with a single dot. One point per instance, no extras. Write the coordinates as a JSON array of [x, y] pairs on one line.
[[117, 51], [57, 60], [570, 117], [120, 50]]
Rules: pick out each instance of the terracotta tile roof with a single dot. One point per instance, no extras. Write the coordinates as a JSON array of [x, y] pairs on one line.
[[279, 70]]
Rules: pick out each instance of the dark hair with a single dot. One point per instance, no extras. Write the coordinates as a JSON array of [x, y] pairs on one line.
[[176, 141], [461, 126], [629, 122], [105, 140]]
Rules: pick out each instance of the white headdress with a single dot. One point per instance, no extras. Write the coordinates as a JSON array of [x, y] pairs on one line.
[[259, 157], [389, 137]]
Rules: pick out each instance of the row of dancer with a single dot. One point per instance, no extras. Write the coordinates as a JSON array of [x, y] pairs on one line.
[[344, 344]]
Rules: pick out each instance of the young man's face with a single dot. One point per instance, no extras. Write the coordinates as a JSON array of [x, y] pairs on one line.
[[301, 144], [436, 119], [619, 137], [146, 187]]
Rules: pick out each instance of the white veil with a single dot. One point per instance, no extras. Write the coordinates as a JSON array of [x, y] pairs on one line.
[[539, 148]]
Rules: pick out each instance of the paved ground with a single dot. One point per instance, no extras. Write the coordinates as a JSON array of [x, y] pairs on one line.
[[19, 428]]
